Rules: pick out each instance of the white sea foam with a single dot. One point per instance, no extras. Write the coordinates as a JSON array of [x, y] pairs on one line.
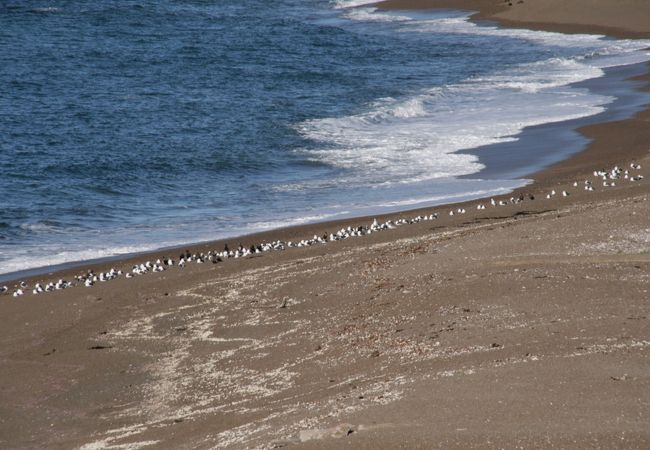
[[417, 138], [341, 4], [274, 224], [50, 9], [38, 227], [457, 22], [53, 256], [409, 140], [370, 15], [500, 188], [462, 25], [114, 244]]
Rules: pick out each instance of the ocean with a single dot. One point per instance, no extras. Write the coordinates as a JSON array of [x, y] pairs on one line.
[[127, 126]]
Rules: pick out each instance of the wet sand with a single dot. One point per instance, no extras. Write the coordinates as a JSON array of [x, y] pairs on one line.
[[521, 325]]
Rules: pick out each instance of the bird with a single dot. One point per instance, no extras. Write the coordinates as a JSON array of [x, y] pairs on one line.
[[89, 279]]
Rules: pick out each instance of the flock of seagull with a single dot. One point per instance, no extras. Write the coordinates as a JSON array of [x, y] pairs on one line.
[[90, 278]]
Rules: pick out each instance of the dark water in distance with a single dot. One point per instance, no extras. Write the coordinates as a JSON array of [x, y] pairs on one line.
[[131, 125]]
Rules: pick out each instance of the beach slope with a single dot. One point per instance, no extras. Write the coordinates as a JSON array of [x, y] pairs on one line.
[[523, 325]]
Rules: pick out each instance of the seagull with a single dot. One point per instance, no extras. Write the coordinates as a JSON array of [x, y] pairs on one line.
[[90, 278]]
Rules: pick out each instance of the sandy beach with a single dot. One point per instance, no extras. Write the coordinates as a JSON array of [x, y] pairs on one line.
[[626, 18], [517, 326]]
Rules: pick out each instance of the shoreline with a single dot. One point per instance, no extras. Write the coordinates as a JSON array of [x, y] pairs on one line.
[[576, 17], [624, 83], [577, 163], [517, 326], [487, 11]]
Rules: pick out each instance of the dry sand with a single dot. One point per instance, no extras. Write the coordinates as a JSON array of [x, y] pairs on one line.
[[519, 326], [621, 18]]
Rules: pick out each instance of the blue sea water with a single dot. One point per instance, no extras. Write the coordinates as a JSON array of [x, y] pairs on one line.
[[132, 125]]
